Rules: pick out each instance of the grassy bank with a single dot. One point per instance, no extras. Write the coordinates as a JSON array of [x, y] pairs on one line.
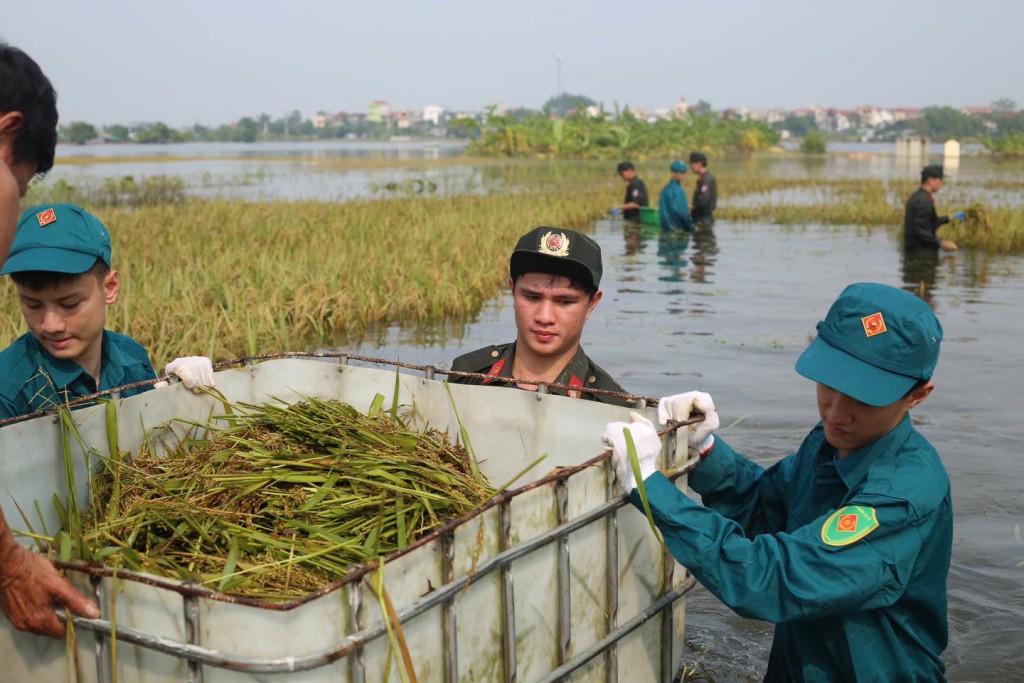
[[227, 278]]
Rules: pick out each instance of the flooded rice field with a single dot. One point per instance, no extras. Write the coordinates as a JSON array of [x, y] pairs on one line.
[[728, 311]]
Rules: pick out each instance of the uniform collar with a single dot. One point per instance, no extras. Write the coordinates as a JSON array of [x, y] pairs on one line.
[[573, 374], [65, 372], [854, 468]]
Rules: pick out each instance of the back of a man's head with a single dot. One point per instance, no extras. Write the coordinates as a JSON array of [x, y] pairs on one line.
[[25, 89]]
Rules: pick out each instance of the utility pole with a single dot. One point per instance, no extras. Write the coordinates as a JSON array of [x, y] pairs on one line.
[[558, 59]]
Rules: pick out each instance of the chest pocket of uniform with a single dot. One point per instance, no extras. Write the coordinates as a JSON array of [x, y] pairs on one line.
[[826, 495]]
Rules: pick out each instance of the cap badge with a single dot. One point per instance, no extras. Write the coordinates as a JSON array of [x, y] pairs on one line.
[[554, 244], [873, 324], [46, 217]]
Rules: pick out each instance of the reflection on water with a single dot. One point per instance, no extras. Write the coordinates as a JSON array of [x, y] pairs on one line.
[[919, 266]]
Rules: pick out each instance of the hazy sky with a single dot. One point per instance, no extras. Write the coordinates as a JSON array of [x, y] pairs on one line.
[[213, 62]]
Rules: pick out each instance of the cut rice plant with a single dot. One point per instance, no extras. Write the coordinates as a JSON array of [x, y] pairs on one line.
[[282, 501]]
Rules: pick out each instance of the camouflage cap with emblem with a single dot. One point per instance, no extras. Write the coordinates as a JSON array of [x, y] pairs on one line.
[[59, 238], [874, 345], [558, 251]]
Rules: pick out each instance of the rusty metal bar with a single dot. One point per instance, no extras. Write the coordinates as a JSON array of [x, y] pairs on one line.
[[193, 635], [612, 574], [564, 589], [449, 624], [508, 612]]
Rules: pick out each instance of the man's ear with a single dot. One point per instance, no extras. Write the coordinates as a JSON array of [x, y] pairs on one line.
[[593, 303], [917, 396], [10, 122], [111, 287]]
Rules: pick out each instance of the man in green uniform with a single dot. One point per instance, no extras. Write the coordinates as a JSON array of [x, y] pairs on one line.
[[844, 545], [673, 210], [705, 193], [30, 587], [920, 221], [60, 263], [636, 193], [555, 276]]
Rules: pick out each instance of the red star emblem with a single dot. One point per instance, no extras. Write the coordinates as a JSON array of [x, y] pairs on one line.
[[46, 217], [847, 523], [873, 324]]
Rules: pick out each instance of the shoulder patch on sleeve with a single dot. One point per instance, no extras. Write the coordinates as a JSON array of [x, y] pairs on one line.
[[848, 525]]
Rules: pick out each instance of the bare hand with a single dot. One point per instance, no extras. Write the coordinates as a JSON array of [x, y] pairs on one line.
[[30, 589], [948, 245]]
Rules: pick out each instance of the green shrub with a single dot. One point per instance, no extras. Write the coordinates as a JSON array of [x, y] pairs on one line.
[[814, 143]]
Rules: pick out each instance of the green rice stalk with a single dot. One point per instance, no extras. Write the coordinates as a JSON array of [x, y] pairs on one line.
[[641, 488], [465, 437], [393, 624]]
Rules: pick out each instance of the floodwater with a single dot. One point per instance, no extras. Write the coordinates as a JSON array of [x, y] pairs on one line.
[[729, 311]]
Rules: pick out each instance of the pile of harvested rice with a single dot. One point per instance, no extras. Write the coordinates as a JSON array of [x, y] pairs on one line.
[[281, 503]]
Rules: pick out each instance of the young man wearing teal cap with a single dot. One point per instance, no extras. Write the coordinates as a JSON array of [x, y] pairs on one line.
[[60, 263], [554, 275], [844, 545], [673, 209]]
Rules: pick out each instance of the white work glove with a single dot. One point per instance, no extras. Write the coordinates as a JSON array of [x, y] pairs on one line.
[[648, 446], [700, 436], [195, 372]]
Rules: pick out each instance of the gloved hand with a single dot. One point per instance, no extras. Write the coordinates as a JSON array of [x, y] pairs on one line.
[[648, 446], [615, 211], [959, 216], [195, 372], [700, 436]]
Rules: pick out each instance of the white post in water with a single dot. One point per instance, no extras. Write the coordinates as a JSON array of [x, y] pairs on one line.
[[913, 146], [951, 155]]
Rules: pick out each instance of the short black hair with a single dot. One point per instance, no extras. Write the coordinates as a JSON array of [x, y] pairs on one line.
[[25, 88], [624, 166], [40, 280], [932, 171], [589, 290], [698, 158]]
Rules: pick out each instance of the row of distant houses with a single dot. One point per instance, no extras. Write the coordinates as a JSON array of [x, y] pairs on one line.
[[380, 111], [829, 119]]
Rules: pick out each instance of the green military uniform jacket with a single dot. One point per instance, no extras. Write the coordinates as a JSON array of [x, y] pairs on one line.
[[31, 379], [920, 222], [673, 209], [705, 199], [849, 558], [582, 372], [636, 192]]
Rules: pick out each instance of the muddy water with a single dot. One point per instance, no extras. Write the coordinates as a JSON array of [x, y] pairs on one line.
[[729, 313]]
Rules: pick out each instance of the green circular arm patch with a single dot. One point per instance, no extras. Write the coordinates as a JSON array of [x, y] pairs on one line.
[[848, 525]]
